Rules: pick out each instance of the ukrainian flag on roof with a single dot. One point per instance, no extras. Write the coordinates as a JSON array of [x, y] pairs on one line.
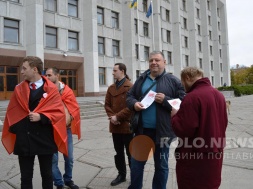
[[133, 3]]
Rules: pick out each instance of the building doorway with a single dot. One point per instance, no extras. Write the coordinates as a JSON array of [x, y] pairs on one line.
[[9, 78], [69, 77]]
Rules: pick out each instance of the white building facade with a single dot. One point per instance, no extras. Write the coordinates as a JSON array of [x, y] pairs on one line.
[[85, 38]]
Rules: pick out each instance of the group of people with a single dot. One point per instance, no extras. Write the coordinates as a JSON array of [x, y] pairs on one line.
[[40, 119], [48, 115], [202, 116]]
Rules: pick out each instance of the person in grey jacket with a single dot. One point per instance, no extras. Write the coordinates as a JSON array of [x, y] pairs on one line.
[[154, 130]]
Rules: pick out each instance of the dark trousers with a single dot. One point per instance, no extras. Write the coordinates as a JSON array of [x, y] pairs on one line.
[[121, 142], [26, 164]]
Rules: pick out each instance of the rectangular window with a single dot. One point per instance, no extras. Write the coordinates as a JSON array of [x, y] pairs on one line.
[[211, 50], [167, 15], [115, 48], [220, 53], [169, 57], [221, 67], [73, 8], [146, 53], [51, 5], [101, 76], [221, 81], [145, 5], [200, 63], [137, 51], [101, 45], [208, 5], [100, 15], [51, 37], [210, 35], [198, 13], [186, 60], [199, 29], [200, 46], [212, 80], [73, 41], [209, 20], [136, 25], [184, 5], [219, 26], [168, 36], [185, 42], [218, 12], [115, 20], [138, 73], [185, 23], [211, 65], [219, 39], [145, 29], [11, 31]]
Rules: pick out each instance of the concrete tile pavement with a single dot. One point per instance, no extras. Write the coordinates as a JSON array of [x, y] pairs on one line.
[[94, 164]]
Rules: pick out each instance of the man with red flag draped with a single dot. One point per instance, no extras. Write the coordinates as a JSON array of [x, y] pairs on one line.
[[34, 123], [72, 112]]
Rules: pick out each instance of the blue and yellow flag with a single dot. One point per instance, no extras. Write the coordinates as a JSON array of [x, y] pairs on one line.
[[133, 3]]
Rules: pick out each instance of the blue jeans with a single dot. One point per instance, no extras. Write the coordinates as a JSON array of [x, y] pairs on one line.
[[161, 156], [69, 160]]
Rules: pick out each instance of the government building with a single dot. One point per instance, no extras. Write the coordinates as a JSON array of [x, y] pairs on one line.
[[85, 38]]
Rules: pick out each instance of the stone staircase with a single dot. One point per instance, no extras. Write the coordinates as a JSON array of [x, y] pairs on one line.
[[89, 109]]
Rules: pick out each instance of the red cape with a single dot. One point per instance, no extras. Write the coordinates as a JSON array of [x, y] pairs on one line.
[[69, 100], [50, 105]]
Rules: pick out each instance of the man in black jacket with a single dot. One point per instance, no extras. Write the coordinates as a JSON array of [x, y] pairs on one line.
[[154, 128]]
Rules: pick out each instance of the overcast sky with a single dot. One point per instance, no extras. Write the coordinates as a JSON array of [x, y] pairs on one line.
[[240, 31]]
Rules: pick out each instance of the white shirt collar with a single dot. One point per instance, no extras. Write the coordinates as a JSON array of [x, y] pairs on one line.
[[38, 83]]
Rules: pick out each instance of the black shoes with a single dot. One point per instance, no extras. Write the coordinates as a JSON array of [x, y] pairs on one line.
[[118, 180], [71, 185]]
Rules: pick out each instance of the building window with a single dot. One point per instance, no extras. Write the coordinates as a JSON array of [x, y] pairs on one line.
[[200, 63], [136, 25], [138, 73], [167, 15], [73, 41], [221, 67], [218, 12], [211, 65], [185, 42], [220, 53], [211, 50], [11, 31], [221, 81], [145, 29], [199, 29], [219, 26], [198, 13], [101, 45], [209, 20], [186, 60], [146, 53], [208, 5], [145, 5], [185, 23], [200, 46], [210, 35], [219, 39], [73, 8], [101, 76], [184, 5], [51, 37], [115, 20], [51, 5], [17, 1], [137, 51], [212, 80], [115, 48], [100, 15], [168, 36], [169, 57]]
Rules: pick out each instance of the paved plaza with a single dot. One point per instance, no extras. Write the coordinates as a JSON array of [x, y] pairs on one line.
[[94, 155]]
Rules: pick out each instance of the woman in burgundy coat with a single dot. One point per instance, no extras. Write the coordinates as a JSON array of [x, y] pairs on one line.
[[200, 125]]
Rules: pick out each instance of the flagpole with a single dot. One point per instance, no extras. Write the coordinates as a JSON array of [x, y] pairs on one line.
[[152, 22]]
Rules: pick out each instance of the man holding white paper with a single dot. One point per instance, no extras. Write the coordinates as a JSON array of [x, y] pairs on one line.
[[154, 119]]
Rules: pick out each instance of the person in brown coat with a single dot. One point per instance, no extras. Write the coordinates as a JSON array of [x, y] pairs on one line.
[[119, 116]]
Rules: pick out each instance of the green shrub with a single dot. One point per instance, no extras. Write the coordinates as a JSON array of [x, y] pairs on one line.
[[238, 89]]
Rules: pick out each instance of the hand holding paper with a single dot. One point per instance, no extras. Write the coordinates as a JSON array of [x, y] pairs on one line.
[[148, 99], [175, 103]]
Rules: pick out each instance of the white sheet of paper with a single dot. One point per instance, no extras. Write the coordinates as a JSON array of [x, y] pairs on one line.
[[148, 99], [175, 103]]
